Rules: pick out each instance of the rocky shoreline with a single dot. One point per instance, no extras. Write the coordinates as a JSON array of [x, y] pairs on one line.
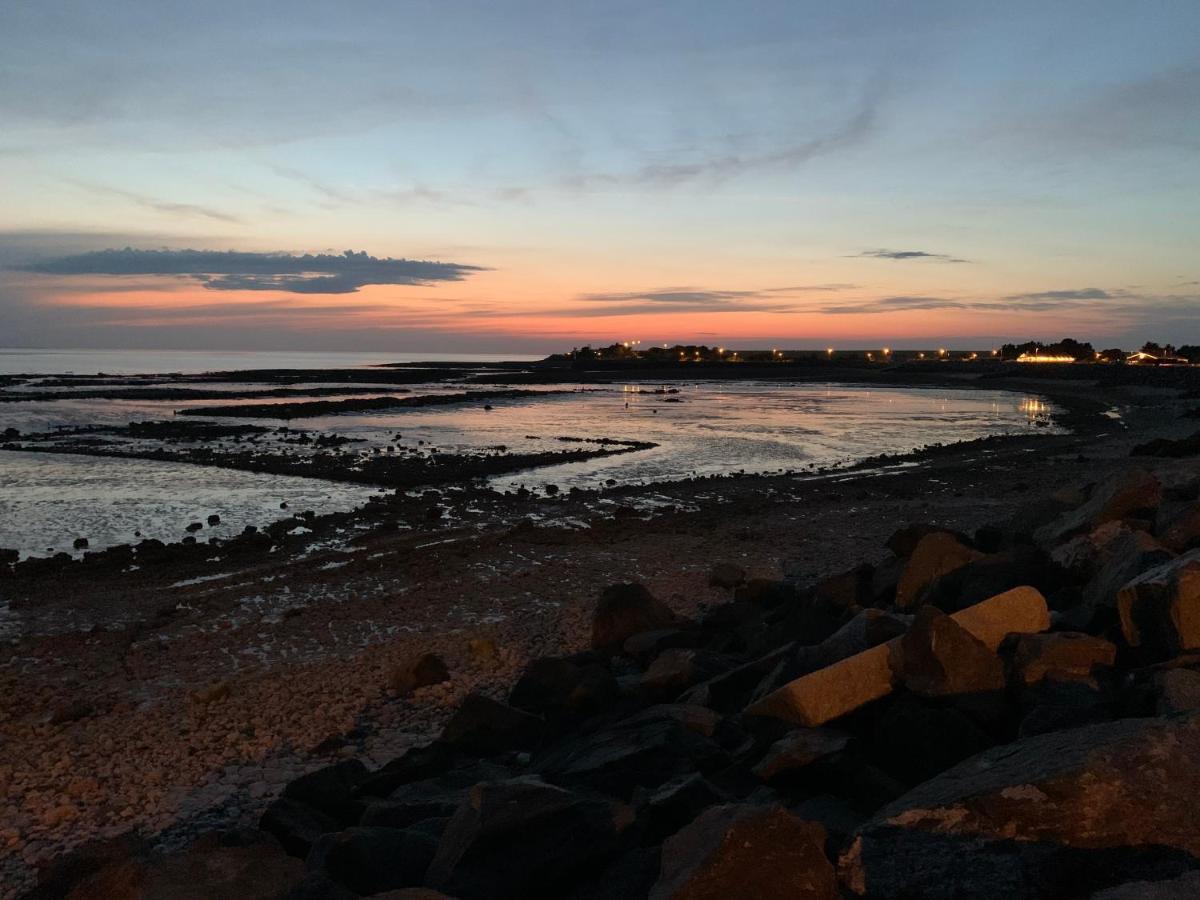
[[155, 736]]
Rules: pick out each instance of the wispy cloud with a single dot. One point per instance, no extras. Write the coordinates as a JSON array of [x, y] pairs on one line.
[[1089, 293], [909, 254], [155, 204], [895, 304], [322, 273]]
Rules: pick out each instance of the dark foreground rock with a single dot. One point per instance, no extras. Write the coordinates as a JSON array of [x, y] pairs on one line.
[[1056, 815]]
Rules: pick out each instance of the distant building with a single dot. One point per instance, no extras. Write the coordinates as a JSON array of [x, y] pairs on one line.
[[1038, 357], [1142, 358]]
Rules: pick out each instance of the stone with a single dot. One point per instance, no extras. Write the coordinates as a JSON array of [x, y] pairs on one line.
[[1177, 691], [523, 838], [1182, 887], [331, 790], [296, 825], [726, 575], [482, 651], [625, 610], [903, 541], [934, 556], [1059, 814], [417, 672], [1160, 609], [643, 751], [676, 803], [258, 872], [1179, 530], [676, 669], [937, 657], [922, 738], [368, 860], [484, 726], [553, 685], [847, 590], [742, 850], [835, 690], [799, 749], [1132, 494], [1061, 654], [1056, 704]]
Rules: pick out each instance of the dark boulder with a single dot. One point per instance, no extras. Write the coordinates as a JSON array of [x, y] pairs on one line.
[[743, 850], [1054, 815], [484, 727], [935, 555], [625, 610], [370, 860], [525, 839], [296, 825], [331, 790], [726, 575], [556, 686], [1134, 493], [937, 657], [416, 672], [1160, 609]]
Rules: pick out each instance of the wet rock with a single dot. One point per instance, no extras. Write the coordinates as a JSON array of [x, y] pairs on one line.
[[726, 575], [1160, 609], [194, 526], [746, 851], [934, 556], [80, 543], [296, 825], [625, 610], [937, 657], [523, 838], [1054, 815], [369, 860], [484, 726], [1062, 654], [417, 672]]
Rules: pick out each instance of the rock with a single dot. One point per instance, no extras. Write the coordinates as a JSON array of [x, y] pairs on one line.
[[554, 686], [765, 592], [675, 804], [523, 838], [214, 693], [1054, 815], [1062, 654], [847, 590], [214, 519], [632, 874], [258, 872], [840, 688], [331, 790], [991, 575], [922, 738], [370, 860], [676, 669], [645, 750], [799, 749], [482, 651], [1160, 609], [740, 850], [1179, 530], [1056, 704], [296, 825], [80, 543], [726, 575], [645, 646], [904, 541], [483, 726], [934, 556], [1132, 494], [417, 672], [71, 711], [194, 526], [625, 610], [937, 657], [1182, 887], [1177, 691]]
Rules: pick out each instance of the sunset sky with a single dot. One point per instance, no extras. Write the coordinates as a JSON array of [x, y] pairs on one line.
[[530, 176]]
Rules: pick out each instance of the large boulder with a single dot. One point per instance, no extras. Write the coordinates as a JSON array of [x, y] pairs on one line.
[[416, 672], [296, 825], [676, 669], [560, 686], [331, 790], [368, 860], [1160, 609], [625, 610], [1134, 493], [741, 850], [1054, 815], [935, 555], [937, 657], [523, 838], [1060, 654], [1179, 526], [853, 682], [484, 726]]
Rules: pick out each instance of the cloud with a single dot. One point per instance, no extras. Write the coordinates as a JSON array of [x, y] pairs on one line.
[[1089, 293], [730, 165], [909, 254], [163, 206], [231, 270], [895, 304], [689, 300]]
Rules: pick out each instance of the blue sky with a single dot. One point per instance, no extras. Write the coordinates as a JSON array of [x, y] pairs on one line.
[[754, 156]]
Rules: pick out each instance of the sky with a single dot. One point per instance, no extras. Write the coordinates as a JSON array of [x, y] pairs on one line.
[[529, 176]]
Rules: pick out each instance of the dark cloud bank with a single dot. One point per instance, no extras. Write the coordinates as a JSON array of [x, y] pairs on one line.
[[321, 273]]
